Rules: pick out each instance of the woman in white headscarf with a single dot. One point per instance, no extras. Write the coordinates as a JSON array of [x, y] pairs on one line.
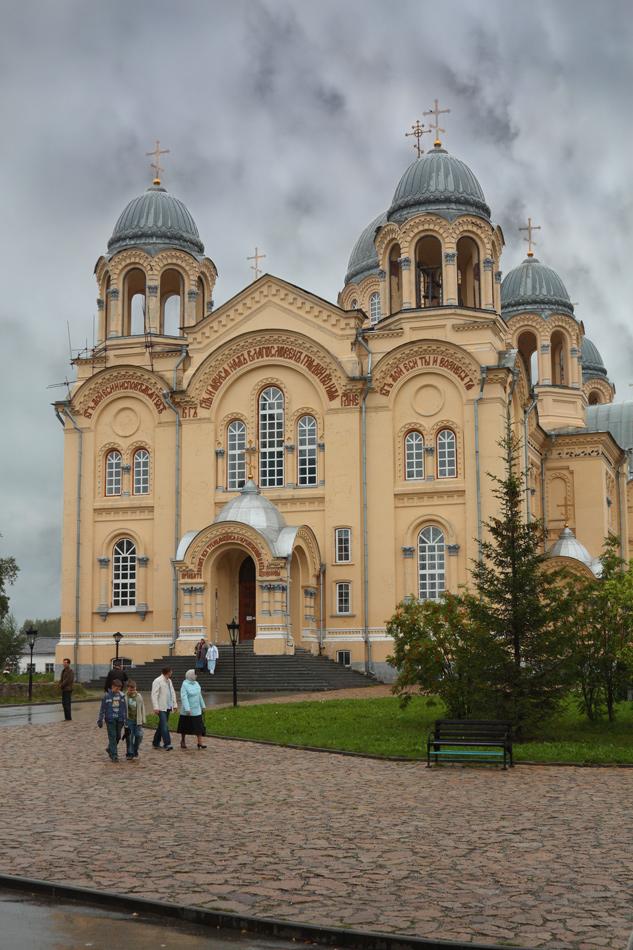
[[192, 704]]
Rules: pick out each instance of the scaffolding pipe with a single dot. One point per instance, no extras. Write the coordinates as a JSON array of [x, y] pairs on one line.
[[527, 462], [368, 380], [78, 555], [174, 621], [484, 370]]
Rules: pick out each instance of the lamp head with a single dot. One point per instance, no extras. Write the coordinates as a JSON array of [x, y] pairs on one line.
[[117, 637], [234, 630], [31, 635]]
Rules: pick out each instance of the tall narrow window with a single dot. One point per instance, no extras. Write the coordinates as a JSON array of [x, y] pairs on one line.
[[236, 455], [271, 438], [134, 303], [113, 473], [374, 309], [395, 280], [446, 454], [343, 545], [431, 563], [307, 451], [468, 275], [141, 472], [343, 599], [414, 455], [428, 268], [124, 574]]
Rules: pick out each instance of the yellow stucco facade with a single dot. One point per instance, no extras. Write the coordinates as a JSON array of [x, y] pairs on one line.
[[302, 465]]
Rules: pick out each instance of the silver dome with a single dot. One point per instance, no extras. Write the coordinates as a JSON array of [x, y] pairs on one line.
[[569, 546], [438, 183], [154, 221], [592, 365], [533, 286], [364, 258], [252, 508]]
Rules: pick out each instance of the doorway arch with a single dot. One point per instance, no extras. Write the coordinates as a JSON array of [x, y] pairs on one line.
[[247, 600]]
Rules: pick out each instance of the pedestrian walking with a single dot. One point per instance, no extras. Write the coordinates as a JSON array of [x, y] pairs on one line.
[[163, 703], [66, 682], [192, 704], [116, 673], [212, 656], [114, 712], [200, 654], [135, 718]]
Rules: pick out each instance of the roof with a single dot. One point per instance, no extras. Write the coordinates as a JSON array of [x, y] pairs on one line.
[[613, 417], [364, 258], [569, 546], [41, 646], [533, 286], [592, 365], [154, 221]]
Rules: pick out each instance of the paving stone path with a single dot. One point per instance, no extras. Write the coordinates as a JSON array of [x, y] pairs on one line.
[[537, 856]]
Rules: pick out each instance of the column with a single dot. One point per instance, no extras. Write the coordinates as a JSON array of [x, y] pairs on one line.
[[125, 480], [429, 452], [279, 600], [408, 572], [152, 308], [289, 467], [450, 279], [451, 570], [545, 366], [384, 301], [498, 276], [141, 585], [487, 290], [101, 327], [576, 367], [102, 609], [220, 476], [192, 304], [407, 284], [309, 595], [265, 589], [115, 316], [186, 602], [321, 463], [199, 597]]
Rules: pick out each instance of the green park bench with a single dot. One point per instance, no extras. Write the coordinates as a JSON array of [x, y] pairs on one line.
[[484, 740]]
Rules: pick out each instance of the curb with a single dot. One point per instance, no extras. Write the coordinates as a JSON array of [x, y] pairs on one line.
[[264, 926]]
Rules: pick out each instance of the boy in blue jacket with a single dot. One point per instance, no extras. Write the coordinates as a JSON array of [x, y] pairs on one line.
[[114, 711]]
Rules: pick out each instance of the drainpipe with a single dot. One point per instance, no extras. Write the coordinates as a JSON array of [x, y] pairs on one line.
[[174, 620], [484, 370], [77, 561], [368, 380], [551, 446], [321, 573], [625, 459], [527, 463], [288, 637], [515, 376]]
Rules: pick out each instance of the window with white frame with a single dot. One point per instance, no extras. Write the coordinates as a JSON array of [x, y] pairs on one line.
[[271, 438], [49, 667], [446, 454], [343, 598], [431, 563], [414, 455], [236, 455], [141, 472], [124, 574], [307, 451], [113, 473], [343, 538], [344, 657], [374, 309]]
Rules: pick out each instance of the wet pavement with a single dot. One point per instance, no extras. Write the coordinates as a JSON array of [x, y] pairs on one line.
[[29, 923]]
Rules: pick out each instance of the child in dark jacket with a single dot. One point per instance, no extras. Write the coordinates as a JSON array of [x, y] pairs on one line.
[[114, 711]]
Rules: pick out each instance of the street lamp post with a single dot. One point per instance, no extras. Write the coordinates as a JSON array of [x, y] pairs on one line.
[[234, 633], [117, 639], [31, 636]]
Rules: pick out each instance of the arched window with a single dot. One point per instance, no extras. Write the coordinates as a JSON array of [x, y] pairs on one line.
[[468, 273], [559, 359], [171, 302], [307, 451], [446, 454], [528, 347], [374, 309], [271, 438], [431, 563], [354, 304], [134, 303], [428, 270], [141, 472], [236, 455], [395, 280], [113, 473], [124, 574], [414, 455]]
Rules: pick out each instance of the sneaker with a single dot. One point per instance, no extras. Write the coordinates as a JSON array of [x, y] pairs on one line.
[[168, 748], [135, 756], [128, 758]]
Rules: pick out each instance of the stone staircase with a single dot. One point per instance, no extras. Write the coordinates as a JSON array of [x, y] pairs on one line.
[[302, 672]]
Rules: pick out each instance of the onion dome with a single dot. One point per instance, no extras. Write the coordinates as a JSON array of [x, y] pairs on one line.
[[533, 286], [252, 508], [155, 221], [438, 183], [364, 258], [592, 365], [569, 546]]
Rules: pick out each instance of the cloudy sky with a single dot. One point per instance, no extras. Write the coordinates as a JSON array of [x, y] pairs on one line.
[[285, 121]]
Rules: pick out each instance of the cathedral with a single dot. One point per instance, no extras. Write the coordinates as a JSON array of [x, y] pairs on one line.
[[301, 466]]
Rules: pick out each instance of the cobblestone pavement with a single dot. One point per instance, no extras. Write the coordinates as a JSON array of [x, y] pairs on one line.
[[536, 856]]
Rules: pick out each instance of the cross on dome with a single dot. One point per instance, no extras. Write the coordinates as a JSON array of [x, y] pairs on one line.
[[257, 258], [437, 113], [157, 153], [418, 132], [530, 227]]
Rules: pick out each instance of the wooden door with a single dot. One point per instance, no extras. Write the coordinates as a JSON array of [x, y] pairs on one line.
[[248, 619]]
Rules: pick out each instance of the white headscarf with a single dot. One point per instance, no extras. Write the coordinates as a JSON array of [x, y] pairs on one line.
[[190, 675]]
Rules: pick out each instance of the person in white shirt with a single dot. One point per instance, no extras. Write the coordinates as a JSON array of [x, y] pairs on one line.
[[163, 702], [212, 655]]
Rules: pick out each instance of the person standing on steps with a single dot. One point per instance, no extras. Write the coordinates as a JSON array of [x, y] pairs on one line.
[[163, 703], [212, 656], [66, 682], [116, 673], [200, 654]]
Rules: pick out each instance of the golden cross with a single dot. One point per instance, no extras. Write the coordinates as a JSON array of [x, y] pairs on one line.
[[158, 152], [256, 257], [530, 227], [437, 113], [565, 506], [251, 449], [417, 131]]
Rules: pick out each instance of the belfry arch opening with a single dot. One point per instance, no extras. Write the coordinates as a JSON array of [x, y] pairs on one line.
[[468, 273], [171, 302], [134, 303], [201, 301], [428, 272], [560, 359], [395, 280], [528, 347]]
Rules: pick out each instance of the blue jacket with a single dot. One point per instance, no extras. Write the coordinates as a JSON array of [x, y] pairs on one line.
[[191, 698], [107, 712]]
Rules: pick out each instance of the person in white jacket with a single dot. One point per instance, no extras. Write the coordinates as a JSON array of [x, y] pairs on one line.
[[212, 655], [164, 702]]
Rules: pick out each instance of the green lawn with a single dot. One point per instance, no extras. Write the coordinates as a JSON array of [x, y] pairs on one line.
[[380, 727]]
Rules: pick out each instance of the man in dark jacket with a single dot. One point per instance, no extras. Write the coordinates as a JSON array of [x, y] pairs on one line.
[[116, 673], [66, 680]]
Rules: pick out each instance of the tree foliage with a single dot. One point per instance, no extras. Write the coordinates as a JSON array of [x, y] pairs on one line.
[[11, 642], [45, 628], [8, 573]]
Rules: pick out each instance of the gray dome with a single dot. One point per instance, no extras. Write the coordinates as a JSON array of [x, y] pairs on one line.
[[364, 258], [533, 286], [438, 183], [154, 221], [569, 546], [252, 508], [592, 365]]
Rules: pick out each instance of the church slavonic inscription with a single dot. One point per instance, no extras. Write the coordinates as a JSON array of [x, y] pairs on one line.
[[421, 362], [124, 385]]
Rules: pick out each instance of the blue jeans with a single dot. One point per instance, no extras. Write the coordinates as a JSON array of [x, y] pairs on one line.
[[114, 734], [135, 738], [162, 732]]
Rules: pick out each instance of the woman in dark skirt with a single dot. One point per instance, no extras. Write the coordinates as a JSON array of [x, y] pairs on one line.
[[192, 705]]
